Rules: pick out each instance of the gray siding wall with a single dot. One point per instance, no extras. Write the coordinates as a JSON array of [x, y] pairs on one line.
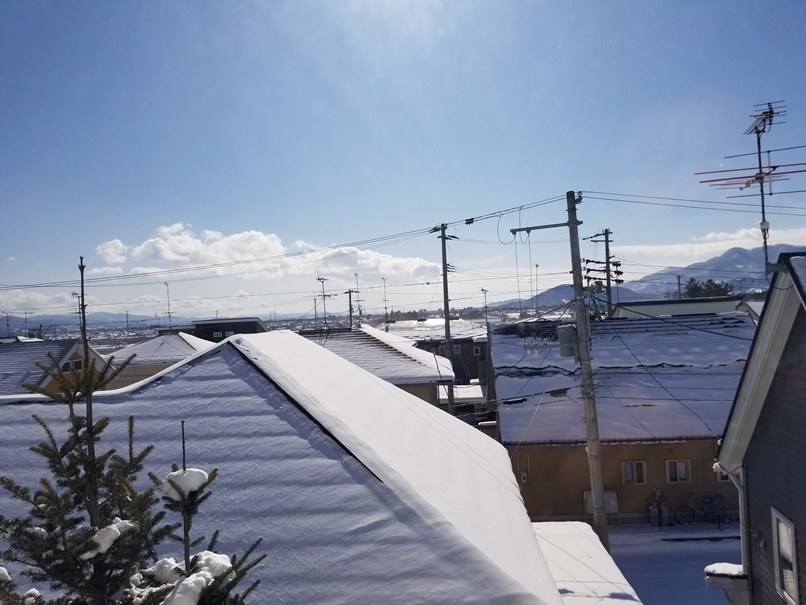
[[775, 468]]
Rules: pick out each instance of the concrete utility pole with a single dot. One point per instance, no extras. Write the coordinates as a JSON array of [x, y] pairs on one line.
[[583, 351], [606, 233], [446, 301], [594, 447], [349, 294]]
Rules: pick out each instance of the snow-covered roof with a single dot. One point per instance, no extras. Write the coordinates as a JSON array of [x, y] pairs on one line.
[[166, 348], [433, 328], [583, 570], [786, 299], [389, 356], [362, 492], [18, 362], [659, 378]]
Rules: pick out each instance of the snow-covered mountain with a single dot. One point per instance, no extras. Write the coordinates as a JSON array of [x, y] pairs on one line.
[[741, 267]]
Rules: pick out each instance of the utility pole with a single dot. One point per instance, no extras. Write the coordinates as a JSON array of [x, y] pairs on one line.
[[594, 447], [322, 280], [168, 294], [385, 308], [349, 294], [537, 307], [679, 288], [583, 351], [491, 392], [358, 300], [606, 233], [446, 303]]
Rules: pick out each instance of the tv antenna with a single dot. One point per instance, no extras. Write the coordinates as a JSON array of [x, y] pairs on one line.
[[764, 116]]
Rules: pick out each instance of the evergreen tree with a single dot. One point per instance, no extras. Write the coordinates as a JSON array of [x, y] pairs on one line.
[[89, 531], [709, 288]]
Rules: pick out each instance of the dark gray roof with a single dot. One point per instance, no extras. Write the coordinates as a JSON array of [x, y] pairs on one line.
[[18, 362]]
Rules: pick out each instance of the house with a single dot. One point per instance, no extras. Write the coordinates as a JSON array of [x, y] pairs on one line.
[[763, 449], [468, 352], [391, 357], [216, 330], [18, 362], [663, 390], [154, 355], [362, 492]]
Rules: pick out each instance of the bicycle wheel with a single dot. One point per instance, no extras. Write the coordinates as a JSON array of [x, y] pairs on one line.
[[716, 514], [684, 515]]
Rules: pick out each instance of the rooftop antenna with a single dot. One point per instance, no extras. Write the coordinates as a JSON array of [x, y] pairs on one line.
[[385, 309], [764, 116], [168, 293]]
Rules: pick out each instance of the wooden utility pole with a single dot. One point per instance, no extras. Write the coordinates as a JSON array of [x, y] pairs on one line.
[[594, 446]]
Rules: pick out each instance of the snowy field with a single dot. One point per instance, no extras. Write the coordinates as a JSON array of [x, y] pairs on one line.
[[666, 567]]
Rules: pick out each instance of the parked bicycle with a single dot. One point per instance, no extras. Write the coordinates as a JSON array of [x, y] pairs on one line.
[[712, 510]]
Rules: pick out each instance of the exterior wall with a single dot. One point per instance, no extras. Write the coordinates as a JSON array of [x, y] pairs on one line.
[[218, 331], [683, 306], [426, 392], [135, 373], [773, 469], [467, 365], [556, 477], [53, 387]]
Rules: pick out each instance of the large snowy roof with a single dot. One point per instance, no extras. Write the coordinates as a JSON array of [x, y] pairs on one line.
[[362, 492], [660, 378], [388, 356], [18, 362], [166, 348]]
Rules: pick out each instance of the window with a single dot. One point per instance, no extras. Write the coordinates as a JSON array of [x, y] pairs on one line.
[[678, 471], [457, 349], [633, 472], [217, 334], [442, 349], [72, 366], [477, 351], [722, 477], [786, 565]]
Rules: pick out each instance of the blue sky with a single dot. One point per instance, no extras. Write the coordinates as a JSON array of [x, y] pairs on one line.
[[168, 136]]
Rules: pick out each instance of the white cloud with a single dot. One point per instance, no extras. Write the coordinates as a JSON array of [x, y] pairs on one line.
[[254, 254], [112, 252], [700, 248], [11, 259], [102, 271]]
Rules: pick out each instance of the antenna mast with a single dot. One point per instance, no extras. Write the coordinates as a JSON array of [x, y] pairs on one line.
[[765, 114]]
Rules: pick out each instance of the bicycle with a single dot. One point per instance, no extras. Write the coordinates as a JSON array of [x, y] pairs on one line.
[[713, 511]]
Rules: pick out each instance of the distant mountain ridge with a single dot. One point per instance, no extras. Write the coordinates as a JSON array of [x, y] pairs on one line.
[[743, 268]]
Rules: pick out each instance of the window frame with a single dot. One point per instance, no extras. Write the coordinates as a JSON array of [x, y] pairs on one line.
[[634, 465], [686, 462], [789, 594]]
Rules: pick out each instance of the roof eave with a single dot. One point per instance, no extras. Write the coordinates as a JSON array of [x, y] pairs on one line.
[[771, 337]]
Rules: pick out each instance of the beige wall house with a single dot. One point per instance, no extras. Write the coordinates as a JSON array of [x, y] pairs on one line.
[[663, 389]]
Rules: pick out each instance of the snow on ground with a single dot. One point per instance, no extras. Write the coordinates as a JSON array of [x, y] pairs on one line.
[[668, 567]]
